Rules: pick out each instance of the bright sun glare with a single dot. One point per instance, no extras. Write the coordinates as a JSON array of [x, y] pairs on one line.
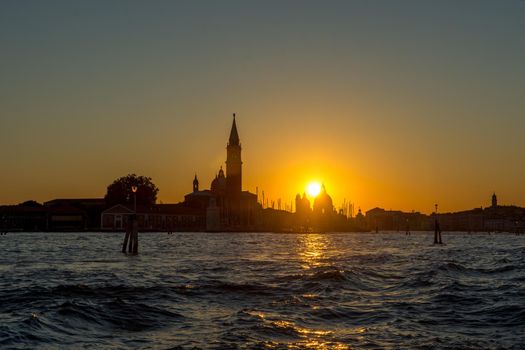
[[313, 189]]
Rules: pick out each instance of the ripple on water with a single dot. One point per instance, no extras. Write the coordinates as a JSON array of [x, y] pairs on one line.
[[262, 291]]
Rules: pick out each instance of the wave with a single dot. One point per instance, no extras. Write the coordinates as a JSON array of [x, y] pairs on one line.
[[358, 290], [459, 268], [512, 315]]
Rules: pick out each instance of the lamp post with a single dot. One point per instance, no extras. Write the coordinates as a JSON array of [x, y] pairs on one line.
[[134, 190], [131, 230]]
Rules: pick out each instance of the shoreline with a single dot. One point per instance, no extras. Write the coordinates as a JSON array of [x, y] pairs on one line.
[[3, 233]]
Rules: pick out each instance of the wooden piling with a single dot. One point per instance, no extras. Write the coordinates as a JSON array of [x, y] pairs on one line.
[[124, 245], [131, 242], [131, 239], [134, 236], [437, 233], [135, 242]]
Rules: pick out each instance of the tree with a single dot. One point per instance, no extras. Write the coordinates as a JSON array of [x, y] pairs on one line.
[[121, 191]]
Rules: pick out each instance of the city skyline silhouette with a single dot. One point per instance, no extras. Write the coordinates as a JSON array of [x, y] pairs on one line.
[[347, 94], [226, 206], [278, 174]]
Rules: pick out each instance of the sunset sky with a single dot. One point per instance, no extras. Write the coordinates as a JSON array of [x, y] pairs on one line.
[[396, 104]]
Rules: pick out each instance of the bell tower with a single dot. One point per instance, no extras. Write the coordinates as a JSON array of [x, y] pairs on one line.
[[233, 163], [494, 200], [195, 184]]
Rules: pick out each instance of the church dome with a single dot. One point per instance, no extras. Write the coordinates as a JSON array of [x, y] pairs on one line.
[[218, 185], [323, 202]]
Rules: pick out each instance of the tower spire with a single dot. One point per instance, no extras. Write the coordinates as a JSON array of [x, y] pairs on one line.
[[234, 163], [234, 135], [195, 183]]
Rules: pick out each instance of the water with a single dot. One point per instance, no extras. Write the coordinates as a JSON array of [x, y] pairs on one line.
[[262, 291]]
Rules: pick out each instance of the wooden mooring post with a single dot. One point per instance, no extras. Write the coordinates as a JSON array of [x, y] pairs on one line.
[[131, 239], [437, 229], [437, 233]]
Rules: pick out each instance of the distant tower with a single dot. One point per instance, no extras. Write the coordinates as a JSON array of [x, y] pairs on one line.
[[494, 200], [195, 184], [233, 163]]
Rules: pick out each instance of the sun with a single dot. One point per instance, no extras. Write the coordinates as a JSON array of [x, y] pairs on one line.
[[313, 189]]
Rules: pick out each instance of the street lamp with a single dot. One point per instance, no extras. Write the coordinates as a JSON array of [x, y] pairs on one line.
[[134, 190]]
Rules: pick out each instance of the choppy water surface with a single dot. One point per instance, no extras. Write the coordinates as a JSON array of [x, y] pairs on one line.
[[262, 291]]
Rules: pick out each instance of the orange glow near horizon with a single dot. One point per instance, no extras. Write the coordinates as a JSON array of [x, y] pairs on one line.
[[319, 94]]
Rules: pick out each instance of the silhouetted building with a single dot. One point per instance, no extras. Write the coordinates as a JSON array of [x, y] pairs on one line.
[[159, 217], [496, 218], [303, 213], [67, 218], [323, 203], [226, 205], [74, 214], [198, 199], [378, 219], [466, 220], [302, 205], [23, 217], [360, 220], [323, 213], [195, 184], [275, 220], [233, 163], [503, 218], [213, 216]]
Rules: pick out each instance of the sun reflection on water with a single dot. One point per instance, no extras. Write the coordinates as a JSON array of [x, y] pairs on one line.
[[311, 250], [301, 337], [318, 339], [314, 254]]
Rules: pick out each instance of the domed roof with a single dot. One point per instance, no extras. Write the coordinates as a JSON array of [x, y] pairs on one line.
[[323, 202], [218, 185]]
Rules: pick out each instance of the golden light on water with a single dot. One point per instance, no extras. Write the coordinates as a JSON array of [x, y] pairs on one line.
[[313, 189], [311, 250]]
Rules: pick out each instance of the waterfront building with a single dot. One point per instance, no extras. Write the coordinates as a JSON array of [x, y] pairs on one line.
[[323, 204], [378, 219], [225, 205], [159, 217]]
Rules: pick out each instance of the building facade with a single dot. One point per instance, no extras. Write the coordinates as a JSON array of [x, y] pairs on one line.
[[226, 206], [158, 218]]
